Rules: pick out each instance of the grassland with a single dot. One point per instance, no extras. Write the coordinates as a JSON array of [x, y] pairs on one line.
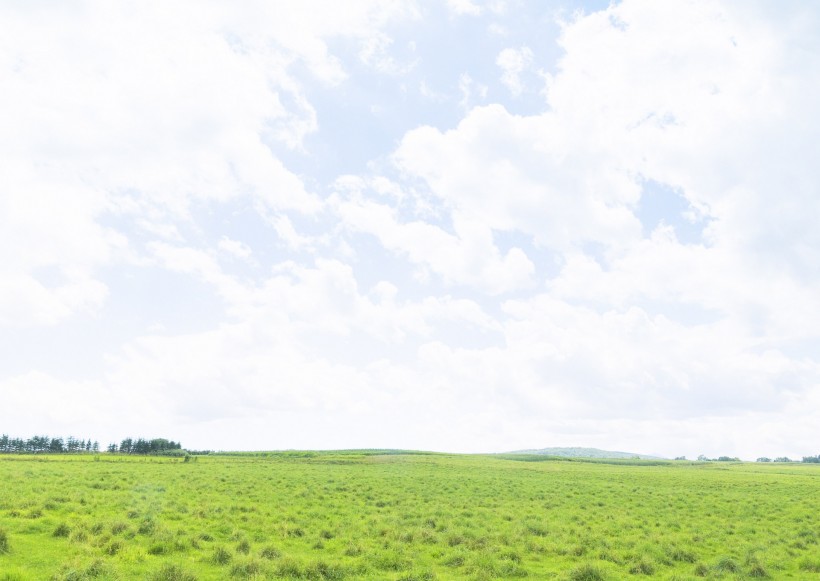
[[361, 515]]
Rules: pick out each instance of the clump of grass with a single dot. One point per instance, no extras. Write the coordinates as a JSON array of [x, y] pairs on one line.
[[756, 568], [758, 571], [159, 548], [96, 569], [701, 570], [270, 553], [727, 565], [62, 530], [537, 530], [323, 570], [587, 572], [455, 540], [289, 569], [681, 555], [420, 576], [113, 548], [454, 560], [221, 556], [244, 547], [643, 566], [353, 550], [246, 570], [97, 528], [171, 572], [810, 565], [390, 561], [4, 542], [118, 527]]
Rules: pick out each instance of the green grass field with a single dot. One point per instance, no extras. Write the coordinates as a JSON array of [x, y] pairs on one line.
[[368, 515]]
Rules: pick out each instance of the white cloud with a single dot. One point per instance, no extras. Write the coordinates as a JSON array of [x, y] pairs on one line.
[[513, 62], [464, 7], [467, 256], [514, 173], [146, 116], [235, 248]]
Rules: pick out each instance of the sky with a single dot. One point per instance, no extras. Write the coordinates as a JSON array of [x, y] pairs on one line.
[[461, 225]]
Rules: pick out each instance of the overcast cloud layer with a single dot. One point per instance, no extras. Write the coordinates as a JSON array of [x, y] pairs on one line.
[[455, 226]]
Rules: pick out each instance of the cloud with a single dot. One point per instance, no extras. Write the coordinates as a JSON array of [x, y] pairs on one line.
[[235, 248], [513, 62], [464, 7], [144, 118], [467, 256], [515, 173]]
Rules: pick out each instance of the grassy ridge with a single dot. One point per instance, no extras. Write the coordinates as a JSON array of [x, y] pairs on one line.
[[365, 514]]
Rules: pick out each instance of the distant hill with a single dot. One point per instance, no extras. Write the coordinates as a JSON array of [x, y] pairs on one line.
[[585, 453]]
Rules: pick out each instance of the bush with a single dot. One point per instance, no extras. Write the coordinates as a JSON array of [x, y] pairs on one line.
[[4, 542], [62, 530]]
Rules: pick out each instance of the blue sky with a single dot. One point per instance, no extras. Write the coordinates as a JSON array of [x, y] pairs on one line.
[[458, 225]]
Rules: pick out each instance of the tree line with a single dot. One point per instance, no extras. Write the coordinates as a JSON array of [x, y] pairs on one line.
[[71, 445], [806, 459], [141, 446]]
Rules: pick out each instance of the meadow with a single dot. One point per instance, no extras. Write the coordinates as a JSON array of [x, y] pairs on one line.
[[403, 516]]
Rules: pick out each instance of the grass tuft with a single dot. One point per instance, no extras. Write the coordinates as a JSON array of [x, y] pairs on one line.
[[244, 547], [587, 572], [221, 556], [642, 566], [171, 572], [4, 542], [270, 553], [246, 570], [810, 565], [727, 565]]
